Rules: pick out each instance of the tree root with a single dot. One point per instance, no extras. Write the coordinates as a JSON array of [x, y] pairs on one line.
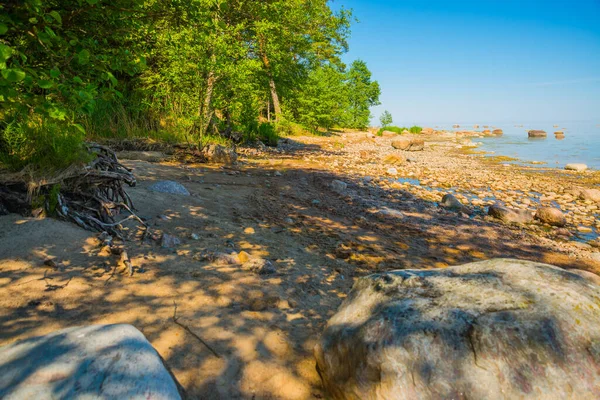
[[92, 196]]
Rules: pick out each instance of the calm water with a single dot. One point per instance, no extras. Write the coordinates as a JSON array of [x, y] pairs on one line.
[[580, 145]]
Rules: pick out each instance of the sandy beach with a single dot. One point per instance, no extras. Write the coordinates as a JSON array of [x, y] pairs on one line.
[[269, 247]]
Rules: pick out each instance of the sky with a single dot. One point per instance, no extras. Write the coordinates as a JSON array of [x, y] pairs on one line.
[[485, 61]]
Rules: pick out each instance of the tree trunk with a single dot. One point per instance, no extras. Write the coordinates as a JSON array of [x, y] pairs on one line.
[[205, 109], [275, 97]]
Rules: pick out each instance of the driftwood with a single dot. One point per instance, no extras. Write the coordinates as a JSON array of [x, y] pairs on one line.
[[92, 196]]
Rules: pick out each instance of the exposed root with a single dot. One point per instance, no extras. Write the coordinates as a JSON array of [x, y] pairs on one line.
[[91, 196]]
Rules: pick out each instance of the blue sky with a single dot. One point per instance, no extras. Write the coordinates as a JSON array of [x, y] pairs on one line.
[[481, 61]]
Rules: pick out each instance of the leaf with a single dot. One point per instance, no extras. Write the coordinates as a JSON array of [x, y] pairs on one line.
[[112, 78], [56, 16], [3, 29], [83, 57], [5, 52], [57, 113], [55, 73], [44, 84], [79, 128], [77, 80], [13, 74], [92, 2]]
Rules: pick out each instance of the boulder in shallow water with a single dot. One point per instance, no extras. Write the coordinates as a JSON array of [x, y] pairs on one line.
[[493, 329], [535, 133], [508, 214], [89, 362], [576, 167], [451, 202], [498, 132], [550, 215], [171, 187]]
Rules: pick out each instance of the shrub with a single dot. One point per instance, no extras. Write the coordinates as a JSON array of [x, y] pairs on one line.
[[400, 129], [268, 134], [49, 146]]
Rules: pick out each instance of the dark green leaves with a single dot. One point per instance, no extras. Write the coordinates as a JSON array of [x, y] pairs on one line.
[[83, 57], [13, 74]]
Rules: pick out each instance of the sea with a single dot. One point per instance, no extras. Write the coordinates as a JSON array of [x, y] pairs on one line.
[[581, 143]]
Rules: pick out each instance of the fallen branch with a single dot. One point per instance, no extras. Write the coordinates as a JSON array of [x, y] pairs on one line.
[[175, 320]]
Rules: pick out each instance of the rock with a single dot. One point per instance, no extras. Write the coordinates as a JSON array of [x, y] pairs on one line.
[[590, 194], [194, 236], [394, 159], [96, 361], [498, 132], [150, 156], [408, 144], [550, 215], [456, 126], [427, 131], [338, 186], [576, 167], [171, 187], [559, 137], [168, 241], [507, 214], [388, 134], [536, 133], [392, 171], [559, 133], [215, 153], [493, 329], [449, 201], [260, 266]]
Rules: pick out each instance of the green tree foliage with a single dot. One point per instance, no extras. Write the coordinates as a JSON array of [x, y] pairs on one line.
[[386, 119], [172, 68]]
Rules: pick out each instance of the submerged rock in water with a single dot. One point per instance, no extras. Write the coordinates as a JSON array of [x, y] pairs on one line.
[[95, 362], [451, 202], [534, 133], [171, 187], [492, 329], [498, 132], [550, 215], [507, 214]]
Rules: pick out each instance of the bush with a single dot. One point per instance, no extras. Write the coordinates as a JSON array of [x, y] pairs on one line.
[[268, 134], [286, 127], [400, 129], [47, 145]]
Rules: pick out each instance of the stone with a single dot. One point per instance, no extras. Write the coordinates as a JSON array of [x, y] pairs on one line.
[[449, 201], [499, 328], [169, 241], [498, 132], [559, 133], [408, 144], [388, 134], [88, 362], [534, 133], [507, 214], [215, 153], [170, 187], [260, 266], [392, 171], [338, 186], [150, 156], [576, 167], [394, 159], [427, 131], [550, 215]]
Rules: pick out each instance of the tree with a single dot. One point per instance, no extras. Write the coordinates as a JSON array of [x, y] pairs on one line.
[[386, 119], [363, 94]]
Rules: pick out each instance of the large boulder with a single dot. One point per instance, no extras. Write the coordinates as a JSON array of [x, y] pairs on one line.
[[576, 167], [508, 214], [498, 132], [551, 216], [496, 329], [590, 194], [215, 153], [427, 131], [90, 362], [534, 133], [451, 202], [408, 144]]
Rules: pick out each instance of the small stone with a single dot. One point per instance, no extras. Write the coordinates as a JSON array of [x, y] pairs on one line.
[[392, 171], [288, 221], [243, 257], [338, 186], [315, 202], [576, 167], [590, 194], [195, 236], [169, 241], [451, 202], [170, 187], [277, 173], [249, 230]]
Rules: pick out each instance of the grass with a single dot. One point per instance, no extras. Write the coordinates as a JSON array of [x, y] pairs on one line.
[[400, 129], [46, 145]]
